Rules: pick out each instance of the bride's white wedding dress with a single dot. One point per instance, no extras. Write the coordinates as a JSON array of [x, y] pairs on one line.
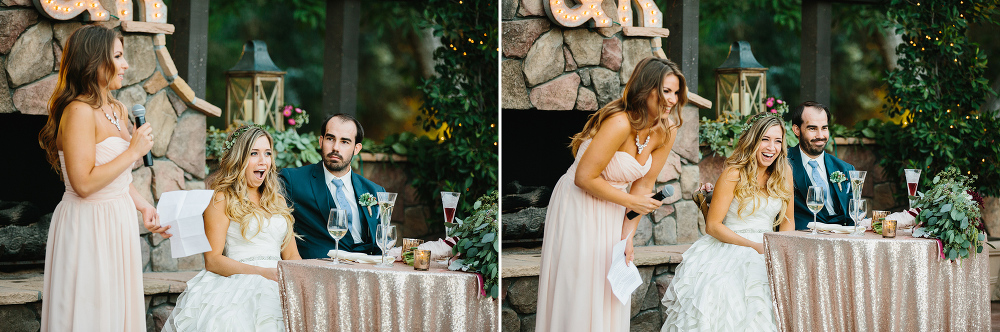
[[240, 302], [723, 287]]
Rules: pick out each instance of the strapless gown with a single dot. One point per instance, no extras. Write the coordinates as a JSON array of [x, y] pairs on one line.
[[573, 290], [240, 302], [93, 261], [723, 287]]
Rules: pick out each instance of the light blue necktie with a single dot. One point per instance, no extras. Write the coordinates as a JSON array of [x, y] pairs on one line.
[[345, 205], [818, 180]]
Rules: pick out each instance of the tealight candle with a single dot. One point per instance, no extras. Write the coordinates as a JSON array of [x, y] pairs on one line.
[[889, 228], [421, 260]]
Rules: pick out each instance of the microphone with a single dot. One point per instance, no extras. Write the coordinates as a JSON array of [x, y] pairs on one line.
[[140, 119], [667, 190]]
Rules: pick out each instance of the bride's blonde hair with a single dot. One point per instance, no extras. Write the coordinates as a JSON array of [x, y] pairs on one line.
[[744, 160], [646, 78], [231, 181]]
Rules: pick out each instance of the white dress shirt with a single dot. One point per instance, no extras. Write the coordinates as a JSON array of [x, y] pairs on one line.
[[822, 173], [349, 192]]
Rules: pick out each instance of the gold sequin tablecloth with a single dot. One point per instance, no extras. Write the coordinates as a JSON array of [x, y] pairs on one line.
[[847, 283], [317, 296]]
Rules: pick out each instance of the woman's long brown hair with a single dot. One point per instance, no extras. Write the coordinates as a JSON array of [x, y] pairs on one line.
[[85, 71], [645, 79]]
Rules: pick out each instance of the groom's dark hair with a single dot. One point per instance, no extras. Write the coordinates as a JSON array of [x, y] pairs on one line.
[[797, 112], [360, 135]]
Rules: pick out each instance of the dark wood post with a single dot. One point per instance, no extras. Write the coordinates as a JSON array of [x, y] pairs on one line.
[[340, 58], [681, 17], [815, 61], [190, 42]]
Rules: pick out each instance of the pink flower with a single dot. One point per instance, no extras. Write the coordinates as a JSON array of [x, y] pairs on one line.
[[774, 111], [770, 102], [287, 112], [780, 101], [291, 121], [298, 110], [288, 108]]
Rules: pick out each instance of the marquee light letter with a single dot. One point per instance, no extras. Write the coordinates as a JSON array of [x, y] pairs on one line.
[[153, 11], [68, 9], [560, 12], [649, 16]]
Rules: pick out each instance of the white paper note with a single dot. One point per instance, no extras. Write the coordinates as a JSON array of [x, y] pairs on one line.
[[624, 277], [182, 210]]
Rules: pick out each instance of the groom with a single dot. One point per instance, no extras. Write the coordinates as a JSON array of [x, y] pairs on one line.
[[313, 190], [812, 167]]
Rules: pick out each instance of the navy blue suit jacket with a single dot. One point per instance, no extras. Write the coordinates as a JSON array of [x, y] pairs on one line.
[[311, 201], [841, 194]]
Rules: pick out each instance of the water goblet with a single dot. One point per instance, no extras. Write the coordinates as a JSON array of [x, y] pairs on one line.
[[815, 201], [385, 238], [336, 224], [858, 208]]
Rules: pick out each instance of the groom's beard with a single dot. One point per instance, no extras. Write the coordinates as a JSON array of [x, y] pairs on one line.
[[812, 149], [333, 166]]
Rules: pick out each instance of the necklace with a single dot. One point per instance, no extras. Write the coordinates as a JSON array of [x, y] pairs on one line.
[[114, 120], [640, 146]]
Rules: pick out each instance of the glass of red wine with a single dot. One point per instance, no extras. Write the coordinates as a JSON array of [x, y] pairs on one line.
[[912, 179], [449, 200]]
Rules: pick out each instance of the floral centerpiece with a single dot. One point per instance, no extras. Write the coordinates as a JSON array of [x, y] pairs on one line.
[[950, 214], [478, 244]]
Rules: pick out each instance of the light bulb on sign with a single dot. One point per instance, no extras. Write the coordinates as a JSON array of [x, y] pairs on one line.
[[564, 15]]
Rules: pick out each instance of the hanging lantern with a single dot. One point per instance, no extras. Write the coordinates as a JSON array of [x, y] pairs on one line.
[[255, 88], [740, 83]]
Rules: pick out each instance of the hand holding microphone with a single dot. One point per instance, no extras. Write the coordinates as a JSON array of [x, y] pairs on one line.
[[667, 191], [142, 138]]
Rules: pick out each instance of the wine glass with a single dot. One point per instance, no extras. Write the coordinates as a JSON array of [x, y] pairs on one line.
[[336, 224], [815, 201], [912, 179], [386, 201], [385, 238], [449, 200], [857, 182], [858, 208]]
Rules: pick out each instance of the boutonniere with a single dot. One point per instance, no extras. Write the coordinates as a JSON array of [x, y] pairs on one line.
[[838, 177], [367, 200]]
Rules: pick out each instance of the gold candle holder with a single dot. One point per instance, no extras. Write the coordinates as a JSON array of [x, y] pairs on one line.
[[877, 218], [421, 260], [409, 244], [889, 228]]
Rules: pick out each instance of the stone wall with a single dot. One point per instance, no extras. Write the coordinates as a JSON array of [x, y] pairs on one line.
[[548, 68], [30, 50]]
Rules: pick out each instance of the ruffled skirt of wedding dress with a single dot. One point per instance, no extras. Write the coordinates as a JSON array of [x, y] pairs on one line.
[[720, 287], [240, 302]]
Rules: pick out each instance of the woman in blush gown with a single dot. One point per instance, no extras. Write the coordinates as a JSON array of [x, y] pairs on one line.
[[624, 143], [249, 226], [93, 264], [721, 283]]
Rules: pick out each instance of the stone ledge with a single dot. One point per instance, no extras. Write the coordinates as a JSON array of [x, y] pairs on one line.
[[28, 289], [526, 265]]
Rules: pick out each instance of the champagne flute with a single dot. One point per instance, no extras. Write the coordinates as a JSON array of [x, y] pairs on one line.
[[385, 238], [858, 209], [912, 179], [857, 182], [386, 201], [449, 200], [814, 201], [336, 224]]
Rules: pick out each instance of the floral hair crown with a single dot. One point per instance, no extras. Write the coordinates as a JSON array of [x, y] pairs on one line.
[[232, 139], [754, 118]]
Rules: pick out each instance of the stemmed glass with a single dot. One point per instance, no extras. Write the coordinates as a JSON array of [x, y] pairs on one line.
[[857, 182], [815, 201], [336, 224], [386, 201], [449, 200], [385, 238], [912, 179], [858, 208]]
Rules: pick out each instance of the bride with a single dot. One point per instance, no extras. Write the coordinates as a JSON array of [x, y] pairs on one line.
[[721, 283], [249, 227]]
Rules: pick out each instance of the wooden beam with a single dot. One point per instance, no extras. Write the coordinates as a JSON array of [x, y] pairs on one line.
[[340, 64], [645, 32], [147, 27], [699, 101], [190, 44], [814, 83], [203, 106], [681, 17]]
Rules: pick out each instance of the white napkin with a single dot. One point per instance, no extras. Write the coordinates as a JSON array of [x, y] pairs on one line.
[[439, 249], [373, 259], [353, 256], [832, 227], [903, 219]]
